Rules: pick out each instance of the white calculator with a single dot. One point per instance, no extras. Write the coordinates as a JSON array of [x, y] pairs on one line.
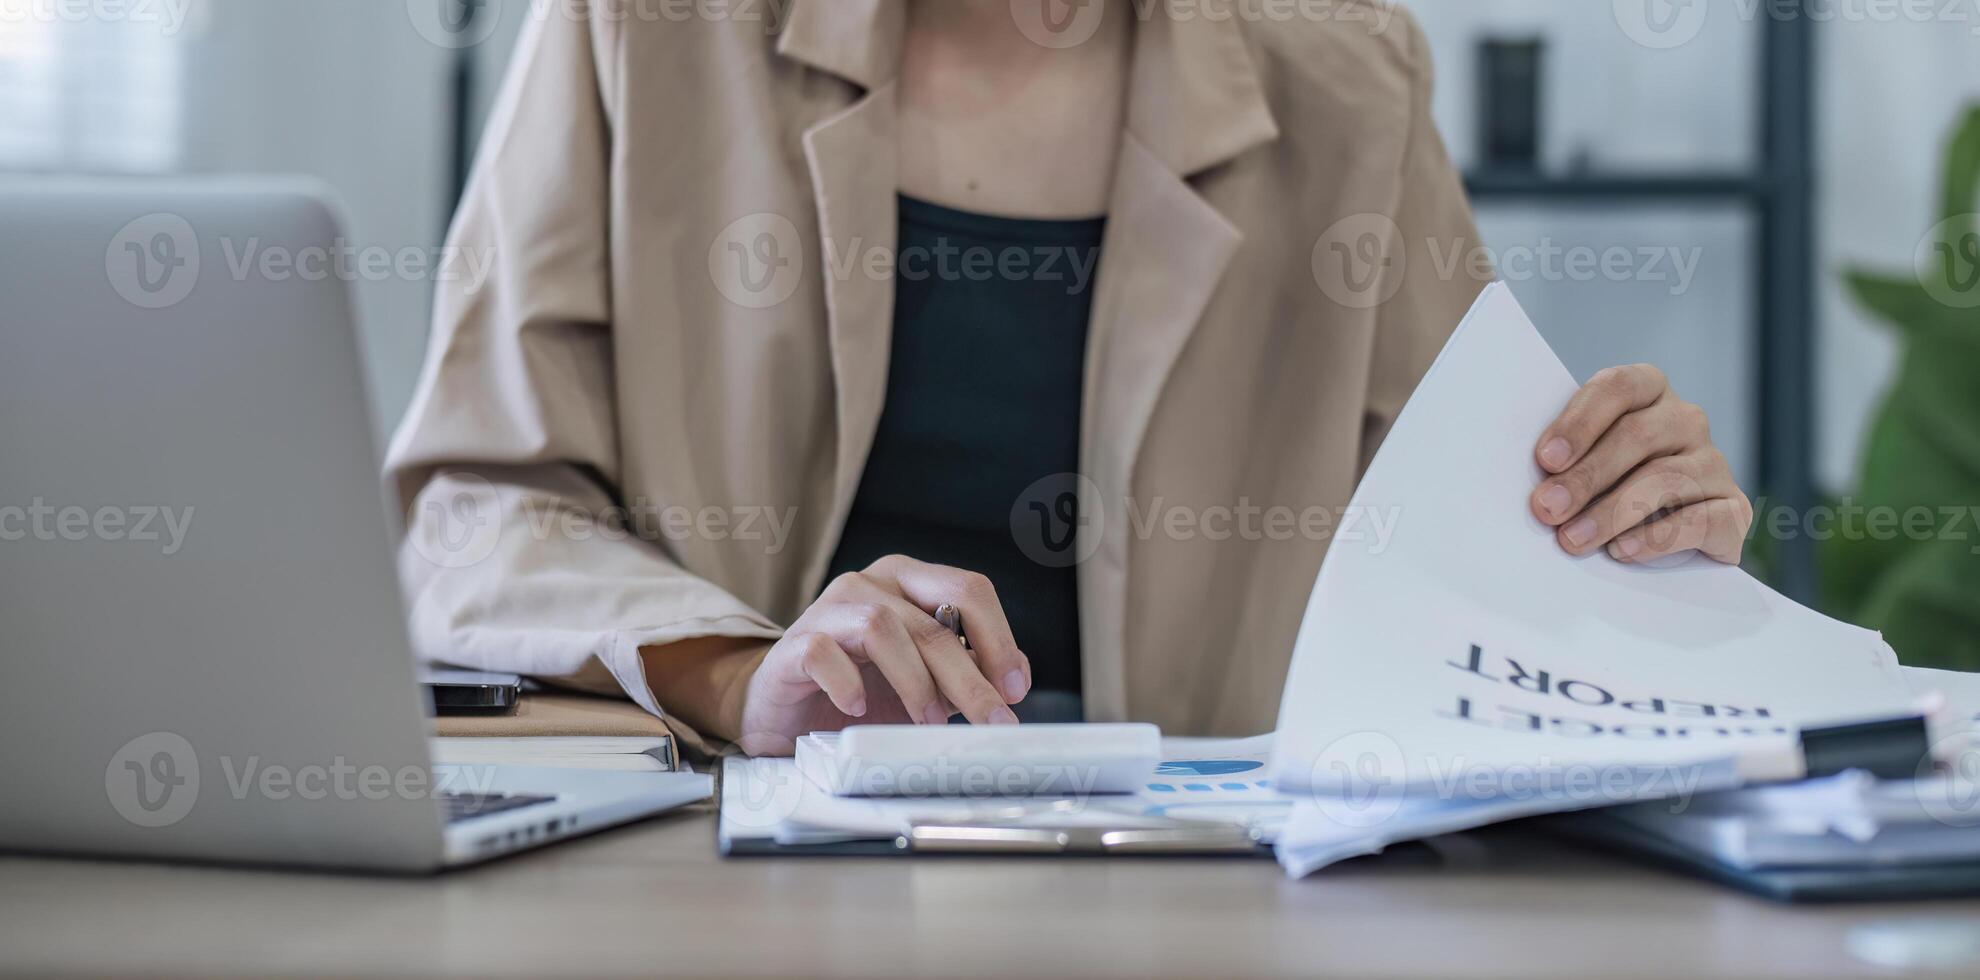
[[980, 761]]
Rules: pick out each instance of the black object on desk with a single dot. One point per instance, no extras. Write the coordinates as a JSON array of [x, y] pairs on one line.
[[1893, 748], [469, 692], [1860, 883]]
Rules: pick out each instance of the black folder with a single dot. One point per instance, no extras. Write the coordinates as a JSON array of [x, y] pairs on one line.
[[1853, 883]]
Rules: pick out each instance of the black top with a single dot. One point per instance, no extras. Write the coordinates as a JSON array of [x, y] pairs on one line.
[[979, 439]]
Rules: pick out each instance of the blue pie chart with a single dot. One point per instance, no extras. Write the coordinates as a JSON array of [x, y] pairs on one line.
[[1208, 767]]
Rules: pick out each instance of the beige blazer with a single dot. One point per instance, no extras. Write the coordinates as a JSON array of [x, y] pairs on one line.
[[683, 320]]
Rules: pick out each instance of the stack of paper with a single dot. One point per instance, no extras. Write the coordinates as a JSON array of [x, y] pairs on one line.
[[1472, 671]]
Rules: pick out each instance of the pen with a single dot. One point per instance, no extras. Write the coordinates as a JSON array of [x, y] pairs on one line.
[[951, 619]]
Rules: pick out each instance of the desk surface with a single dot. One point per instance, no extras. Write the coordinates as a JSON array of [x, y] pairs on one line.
[[655, 898]]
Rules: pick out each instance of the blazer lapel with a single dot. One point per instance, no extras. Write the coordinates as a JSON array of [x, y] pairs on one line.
[[852, 160], [1194, 102], [851, 157], [1165, 252]]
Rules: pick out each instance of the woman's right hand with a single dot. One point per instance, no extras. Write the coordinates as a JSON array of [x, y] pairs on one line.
[[870, 650]]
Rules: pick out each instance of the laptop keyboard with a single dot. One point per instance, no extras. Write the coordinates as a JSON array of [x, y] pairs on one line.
[[467, 806]]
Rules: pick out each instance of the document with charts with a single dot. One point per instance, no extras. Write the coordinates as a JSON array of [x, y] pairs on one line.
[[1470, 670], [769, 806]]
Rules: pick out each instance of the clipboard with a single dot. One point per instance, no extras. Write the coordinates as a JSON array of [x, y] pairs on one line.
[[950, 841], [753, 823]]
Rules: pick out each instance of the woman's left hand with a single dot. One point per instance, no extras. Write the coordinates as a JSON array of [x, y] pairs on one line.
[[1631, 467]]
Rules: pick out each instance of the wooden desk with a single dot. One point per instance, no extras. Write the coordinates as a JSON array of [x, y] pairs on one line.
[[656, 899]]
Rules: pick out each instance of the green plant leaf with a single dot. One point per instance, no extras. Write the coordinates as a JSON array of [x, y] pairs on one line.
[[1922, 454], [1962, 174], [1902, 302], [1956, 253], [1905, 304]]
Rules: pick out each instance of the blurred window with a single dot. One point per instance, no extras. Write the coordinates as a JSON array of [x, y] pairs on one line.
[[90, 95]]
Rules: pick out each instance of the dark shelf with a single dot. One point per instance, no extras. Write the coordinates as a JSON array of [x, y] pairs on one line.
[[1499, 185], [1780, 193]]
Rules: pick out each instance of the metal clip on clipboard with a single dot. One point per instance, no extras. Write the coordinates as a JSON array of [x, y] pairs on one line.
[[1009, 830], [985, 838]]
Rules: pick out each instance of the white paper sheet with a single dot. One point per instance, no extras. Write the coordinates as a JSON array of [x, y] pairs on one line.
[[1961, 690], [1472, 670]]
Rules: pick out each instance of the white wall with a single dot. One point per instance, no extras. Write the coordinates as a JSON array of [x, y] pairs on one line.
[[1888, 91], [491, 56], [350, 93], [1891, 92], [1611, 105], [1694, 324]]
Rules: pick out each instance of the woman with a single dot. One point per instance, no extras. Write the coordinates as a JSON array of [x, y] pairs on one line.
[[770, 366]]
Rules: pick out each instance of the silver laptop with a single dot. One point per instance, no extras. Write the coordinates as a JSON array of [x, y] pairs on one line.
[[204, 647]]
